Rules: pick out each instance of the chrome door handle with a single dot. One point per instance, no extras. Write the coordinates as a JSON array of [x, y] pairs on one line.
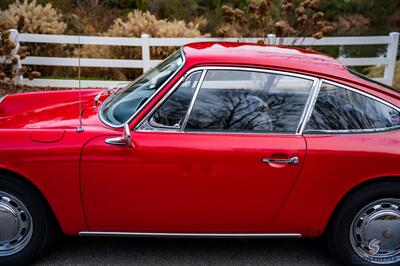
[[294, 160]]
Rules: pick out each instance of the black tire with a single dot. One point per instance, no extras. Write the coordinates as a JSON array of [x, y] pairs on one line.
[[43, 225], [338, 231]]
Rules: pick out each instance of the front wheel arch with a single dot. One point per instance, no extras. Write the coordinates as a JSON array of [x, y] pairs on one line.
[[26, 181]]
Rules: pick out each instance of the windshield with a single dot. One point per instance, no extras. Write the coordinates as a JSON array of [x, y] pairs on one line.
[[126, 102], [355, 73]]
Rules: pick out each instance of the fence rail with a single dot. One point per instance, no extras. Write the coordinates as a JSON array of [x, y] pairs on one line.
[[145, 42]]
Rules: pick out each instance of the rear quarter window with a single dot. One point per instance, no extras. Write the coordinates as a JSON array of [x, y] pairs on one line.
[[340, 109]]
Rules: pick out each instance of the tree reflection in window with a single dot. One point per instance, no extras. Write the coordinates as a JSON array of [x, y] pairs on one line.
[[249, 101], [341, 109]]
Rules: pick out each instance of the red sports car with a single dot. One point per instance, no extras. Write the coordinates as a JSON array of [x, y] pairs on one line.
[[218, 140]]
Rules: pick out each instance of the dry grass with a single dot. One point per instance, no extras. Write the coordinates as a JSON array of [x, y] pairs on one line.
[[377, 72]]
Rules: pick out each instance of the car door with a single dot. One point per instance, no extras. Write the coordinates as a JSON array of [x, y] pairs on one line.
[[352, 137], [219, 154]]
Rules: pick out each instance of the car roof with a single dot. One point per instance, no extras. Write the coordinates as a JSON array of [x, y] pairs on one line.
[[274, 57], [262, 55]]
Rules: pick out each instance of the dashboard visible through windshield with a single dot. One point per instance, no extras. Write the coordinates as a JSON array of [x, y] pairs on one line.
[[125, 103]]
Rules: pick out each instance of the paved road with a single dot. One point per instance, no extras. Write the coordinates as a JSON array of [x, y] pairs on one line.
[[146, 251]]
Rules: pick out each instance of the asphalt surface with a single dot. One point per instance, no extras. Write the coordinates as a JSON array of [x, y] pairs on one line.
[[156, 251]]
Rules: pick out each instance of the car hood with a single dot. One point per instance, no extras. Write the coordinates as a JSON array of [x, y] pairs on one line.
[[50, 109]]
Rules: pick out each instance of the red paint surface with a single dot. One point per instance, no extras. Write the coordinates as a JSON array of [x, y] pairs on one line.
[[178, 182]]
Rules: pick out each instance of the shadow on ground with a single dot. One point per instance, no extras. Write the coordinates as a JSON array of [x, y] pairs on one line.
[[153, 251]]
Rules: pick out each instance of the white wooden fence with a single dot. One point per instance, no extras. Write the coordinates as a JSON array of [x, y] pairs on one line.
[[145, 42]]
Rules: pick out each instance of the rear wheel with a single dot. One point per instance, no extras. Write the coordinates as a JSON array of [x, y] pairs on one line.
[[366, 228], [26, 227]]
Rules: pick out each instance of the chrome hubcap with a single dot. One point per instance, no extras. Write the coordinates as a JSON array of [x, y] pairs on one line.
[[15, 225], [375, 232]]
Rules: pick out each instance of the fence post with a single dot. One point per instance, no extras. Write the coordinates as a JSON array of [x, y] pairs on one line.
[[271, 39], [391, 57], [145, 52], [14, 37]]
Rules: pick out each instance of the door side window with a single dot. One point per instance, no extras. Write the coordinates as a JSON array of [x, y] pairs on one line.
[[341, 109], [172, 113], [246, 101]]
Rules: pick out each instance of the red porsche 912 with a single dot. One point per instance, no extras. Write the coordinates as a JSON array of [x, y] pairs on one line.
[[218, 140]]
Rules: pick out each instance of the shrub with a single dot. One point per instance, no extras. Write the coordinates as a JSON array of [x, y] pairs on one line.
[[37, 18], [90, 19], [135, 24], [138, 22], [256, 20], [352, 24], [10, 55]]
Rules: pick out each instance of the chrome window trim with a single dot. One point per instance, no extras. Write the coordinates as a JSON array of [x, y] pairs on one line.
[[353, 131], [189, 235], [196, 93], [310, 100], [310, 107], [2, 98], [222, 132], [174, 88], [163, 130], [102, 119]]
